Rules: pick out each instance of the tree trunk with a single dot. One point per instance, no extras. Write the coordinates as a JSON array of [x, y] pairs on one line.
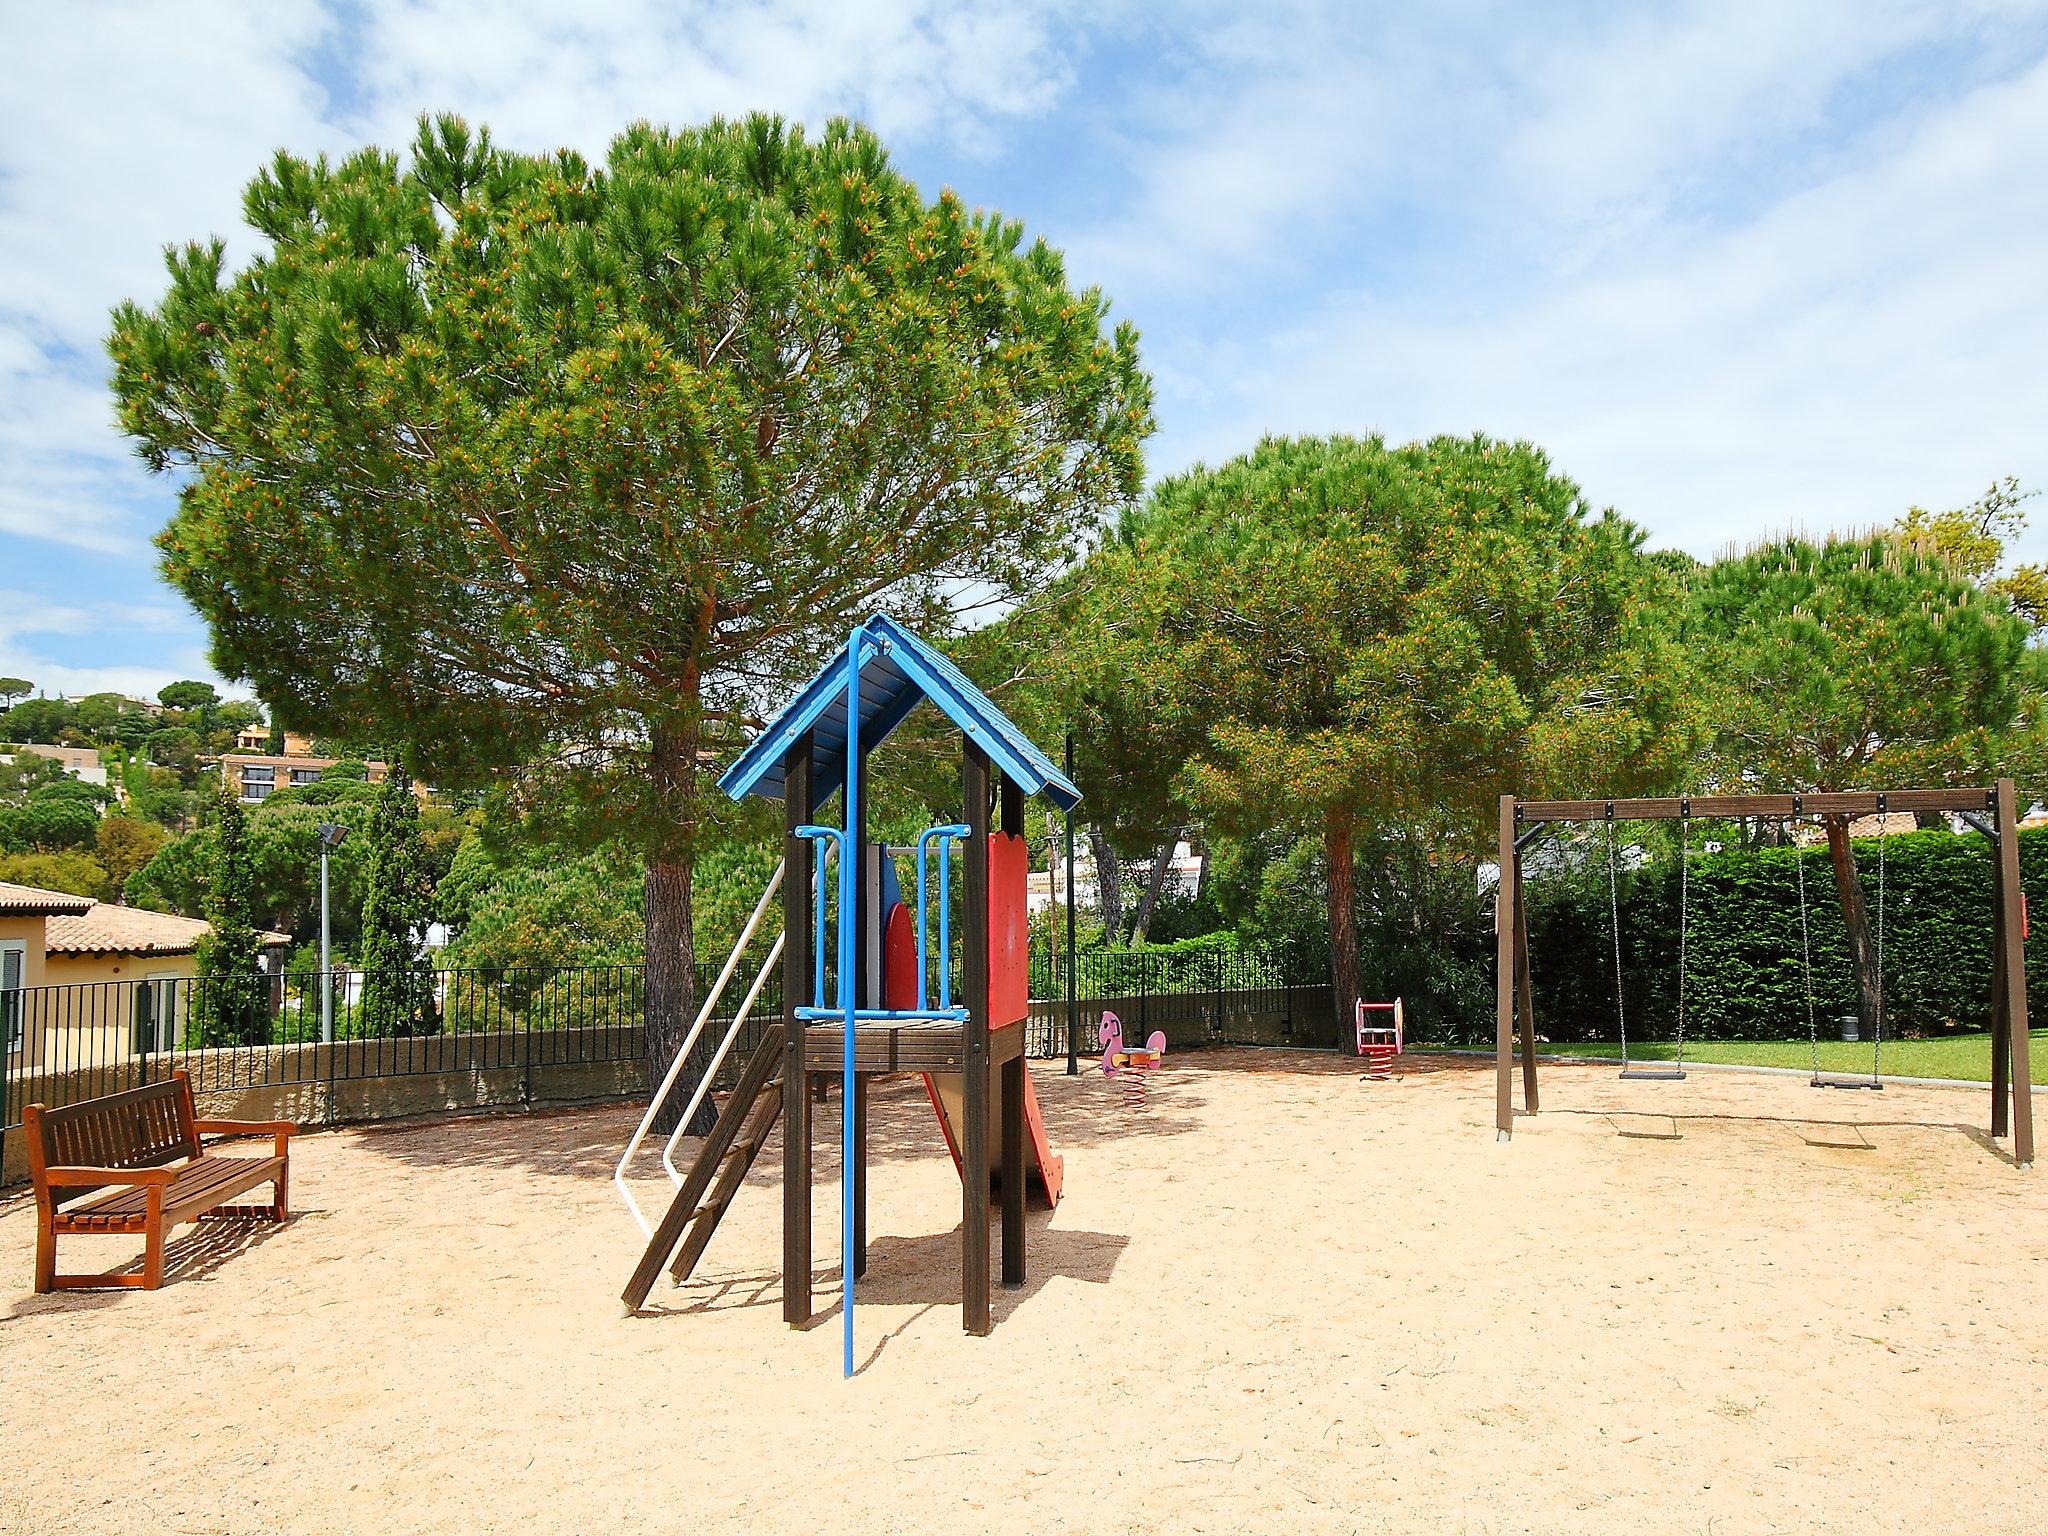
[[1856, 919], [1109, 886], [1162, 863], [1343, 912], [667, 907]]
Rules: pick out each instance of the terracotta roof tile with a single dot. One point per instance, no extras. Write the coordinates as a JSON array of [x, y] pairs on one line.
[[111, 930], [31, 901]]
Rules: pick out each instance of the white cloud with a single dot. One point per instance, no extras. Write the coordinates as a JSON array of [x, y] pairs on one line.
[[138, 126], [1869, 342]]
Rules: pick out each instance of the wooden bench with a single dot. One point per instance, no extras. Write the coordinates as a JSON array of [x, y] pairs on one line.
[[140, 1150]]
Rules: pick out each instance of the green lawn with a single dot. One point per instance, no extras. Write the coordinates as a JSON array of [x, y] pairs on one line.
[[1967, 1057]]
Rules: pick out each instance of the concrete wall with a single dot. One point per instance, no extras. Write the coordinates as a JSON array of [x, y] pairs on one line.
[[363, 1080]]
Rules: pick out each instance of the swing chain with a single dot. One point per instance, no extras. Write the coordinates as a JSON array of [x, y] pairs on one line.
[[1884, 837], [1684, 913], [1614, 929], [1806, 948]]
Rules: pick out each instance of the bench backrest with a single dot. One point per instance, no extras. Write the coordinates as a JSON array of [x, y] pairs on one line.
[[141, 1128]]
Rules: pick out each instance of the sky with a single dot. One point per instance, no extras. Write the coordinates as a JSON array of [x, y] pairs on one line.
[[1739, 267]]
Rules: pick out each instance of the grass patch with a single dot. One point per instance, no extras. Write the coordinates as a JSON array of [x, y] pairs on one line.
[[1964, 1057]]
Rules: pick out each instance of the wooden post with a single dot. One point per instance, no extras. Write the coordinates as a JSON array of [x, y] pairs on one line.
[[974, 1078], [865, 987], [1525, 993], [1504, 922], [2013, 969], [2001, 1032], [1014, 1179], [860, 1174], [798, 871]]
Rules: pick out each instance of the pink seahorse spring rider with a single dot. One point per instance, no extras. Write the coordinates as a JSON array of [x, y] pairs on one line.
[[1129, 1065]]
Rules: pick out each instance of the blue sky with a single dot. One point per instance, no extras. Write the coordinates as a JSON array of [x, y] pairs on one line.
[[1741, 267]]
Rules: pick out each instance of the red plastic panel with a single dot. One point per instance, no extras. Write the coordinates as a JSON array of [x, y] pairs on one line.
[[1009, 931], [899, 958]]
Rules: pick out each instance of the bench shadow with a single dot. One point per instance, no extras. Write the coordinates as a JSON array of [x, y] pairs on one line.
[[193, 1253]]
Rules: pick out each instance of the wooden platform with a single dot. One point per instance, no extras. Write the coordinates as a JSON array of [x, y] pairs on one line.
[[936, 1046]]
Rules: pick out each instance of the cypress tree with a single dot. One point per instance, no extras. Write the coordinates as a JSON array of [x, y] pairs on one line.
[[229, 1006], [398, 979]]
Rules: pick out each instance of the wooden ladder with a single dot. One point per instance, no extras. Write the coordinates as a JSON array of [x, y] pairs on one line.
[[736, 1139]]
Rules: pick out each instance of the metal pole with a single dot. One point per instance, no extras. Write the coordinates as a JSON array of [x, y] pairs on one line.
[[850, 861], [1073, 959], [326, 966]]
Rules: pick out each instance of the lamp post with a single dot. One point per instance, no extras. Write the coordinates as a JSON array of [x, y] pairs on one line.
[[1073, 959], [331, 835]]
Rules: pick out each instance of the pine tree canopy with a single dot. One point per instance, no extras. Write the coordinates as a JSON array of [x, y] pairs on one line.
[[523, 461]]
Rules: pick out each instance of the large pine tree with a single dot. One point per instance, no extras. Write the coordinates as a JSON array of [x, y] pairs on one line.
[[561, 475]]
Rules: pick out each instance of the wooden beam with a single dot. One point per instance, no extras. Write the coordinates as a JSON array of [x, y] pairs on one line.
[[974, 1076], [1851, 803], [1504, 902], [798, 872], [2013, 967], [1013, 808]]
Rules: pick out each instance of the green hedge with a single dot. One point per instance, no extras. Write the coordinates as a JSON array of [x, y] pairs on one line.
[[1745, 979]]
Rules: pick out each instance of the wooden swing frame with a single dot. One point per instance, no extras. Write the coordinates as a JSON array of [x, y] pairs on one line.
[[1994, 812]]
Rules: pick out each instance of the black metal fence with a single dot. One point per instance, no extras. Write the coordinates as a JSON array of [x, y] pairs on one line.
[[65, 1043], [335, 1045], [1200, 997]]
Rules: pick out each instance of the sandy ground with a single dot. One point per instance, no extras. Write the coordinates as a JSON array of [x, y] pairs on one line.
[[1276, 1299]]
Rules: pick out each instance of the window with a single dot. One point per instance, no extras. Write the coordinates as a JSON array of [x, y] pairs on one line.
[[258, 782], [13, 957], [156, 1012], [305, 775]]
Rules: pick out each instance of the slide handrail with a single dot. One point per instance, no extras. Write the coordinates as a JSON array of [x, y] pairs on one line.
[[682, 1056]]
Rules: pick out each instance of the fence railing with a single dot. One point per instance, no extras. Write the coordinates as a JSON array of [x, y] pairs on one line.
[[349, 1045], [64, 1043]]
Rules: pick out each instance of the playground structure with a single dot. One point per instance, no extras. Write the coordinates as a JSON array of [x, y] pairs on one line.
[[866, 992], [1129, 1066], [1992, 812], [1380, 1042]]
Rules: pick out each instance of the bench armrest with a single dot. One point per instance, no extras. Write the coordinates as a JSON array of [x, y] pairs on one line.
[[280, 1131], [246, 1127], [63, 1177]]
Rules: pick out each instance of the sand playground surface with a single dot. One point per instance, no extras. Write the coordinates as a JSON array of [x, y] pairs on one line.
[[1275, 1299]]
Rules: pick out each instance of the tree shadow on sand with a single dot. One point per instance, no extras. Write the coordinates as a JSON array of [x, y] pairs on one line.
[[920, 1271], [1819, 1132]]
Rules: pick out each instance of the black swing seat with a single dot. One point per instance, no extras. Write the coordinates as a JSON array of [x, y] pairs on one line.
[[1847, 1082], [1653, 1074]]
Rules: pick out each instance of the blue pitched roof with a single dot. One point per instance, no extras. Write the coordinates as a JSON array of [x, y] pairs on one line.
[[898, 670]]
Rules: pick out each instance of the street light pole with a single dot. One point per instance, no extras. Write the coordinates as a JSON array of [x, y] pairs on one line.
[[1073, 959]]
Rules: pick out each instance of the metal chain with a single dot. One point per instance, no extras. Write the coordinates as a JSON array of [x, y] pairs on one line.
[[1684, 919], [1806, 953], [1884, 838], [1614, 928]]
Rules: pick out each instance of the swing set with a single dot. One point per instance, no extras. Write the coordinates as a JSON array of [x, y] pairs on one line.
[[1992, 812]]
